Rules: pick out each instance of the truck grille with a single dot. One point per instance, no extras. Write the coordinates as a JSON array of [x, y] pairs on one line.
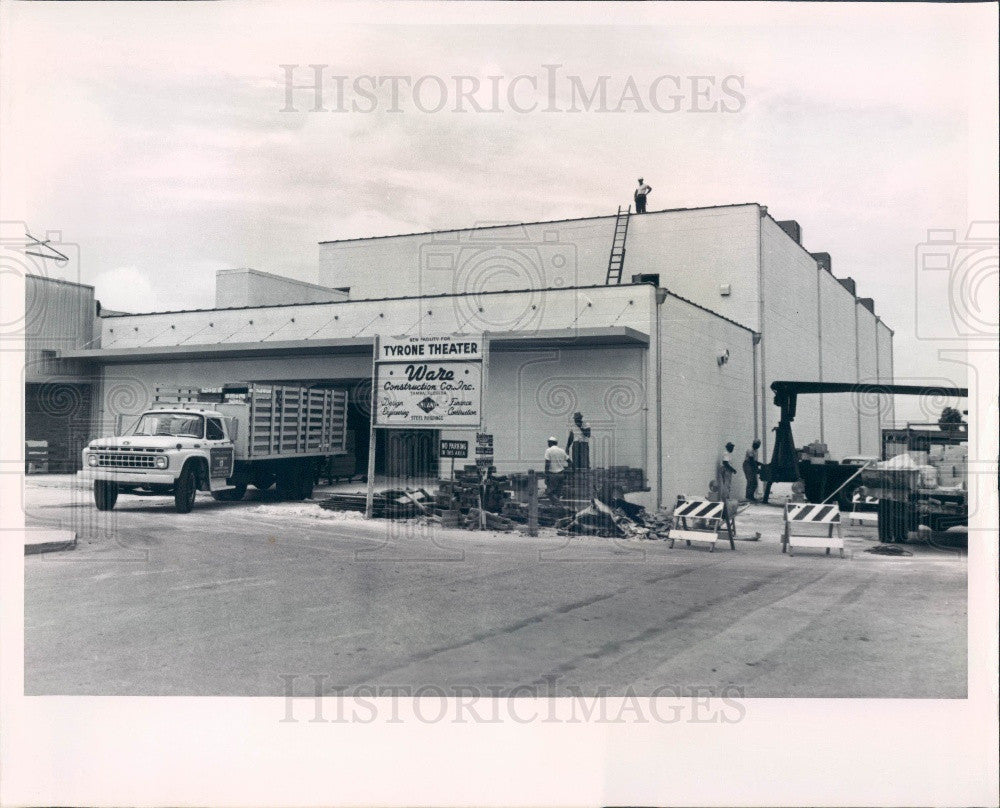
[[136, 459]]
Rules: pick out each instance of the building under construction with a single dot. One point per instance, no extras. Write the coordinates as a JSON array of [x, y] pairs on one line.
[[665, 330]]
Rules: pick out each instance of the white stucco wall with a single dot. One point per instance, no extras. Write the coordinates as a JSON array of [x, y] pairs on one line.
[[704, 404], [884, 336], [696, 251], [250, 287], [840, 364], [502, 312], [869, 407], [129, 389], [533, 394], [790, 333], [519, 256]]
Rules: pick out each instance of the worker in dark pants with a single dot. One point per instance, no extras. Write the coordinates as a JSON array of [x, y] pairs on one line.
[[640, 195], [725, 473], [751, 468], [556, 461], [578, 442]]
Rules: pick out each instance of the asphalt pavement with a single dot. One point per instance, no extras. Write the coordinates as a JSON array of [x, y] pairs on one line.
[[267, 598]]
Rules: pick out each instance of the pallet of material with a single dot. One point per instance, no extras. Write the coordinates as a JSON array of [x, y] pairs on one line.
[[397, 503]]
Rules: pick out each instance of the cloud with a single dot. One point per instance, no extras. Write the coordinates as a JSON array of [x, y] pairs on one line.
[[125, 289]]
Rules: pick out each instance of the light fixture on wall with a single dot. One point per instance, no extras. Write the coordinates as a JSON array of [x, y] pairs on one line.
[[722, 357]]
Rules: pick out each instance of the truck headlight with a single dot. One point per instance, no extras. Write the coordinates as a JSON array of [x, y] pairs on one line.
[[162, 462], [92, 460]]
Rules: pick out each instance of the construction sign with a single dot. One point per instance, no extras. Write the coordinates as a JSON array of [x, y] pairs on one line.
[[429, 382]]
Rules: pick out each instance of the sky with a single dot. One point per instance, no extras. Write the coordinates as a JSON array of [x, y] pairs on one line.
[[152, 136]]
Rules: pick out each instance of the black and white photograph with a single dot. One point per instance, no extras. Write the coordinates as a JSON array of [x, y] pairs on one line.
[[499, 403]]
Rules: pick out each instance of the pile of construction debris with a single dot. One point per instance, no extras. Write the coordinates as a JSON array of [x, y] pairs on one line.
[[600, 519], [502, 503]]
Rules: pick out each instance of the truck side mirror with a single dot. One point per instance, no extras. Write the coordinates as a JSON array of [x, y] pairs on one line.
[[119, 421], [233, 426]]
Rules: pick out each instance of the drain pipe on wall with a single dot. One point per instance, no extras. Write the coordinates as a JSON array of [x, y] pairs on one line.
[[764, 400], [660, 297]]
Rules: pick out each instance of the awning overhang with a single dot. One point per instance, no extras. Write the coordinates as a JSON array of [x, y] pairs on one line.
[[568, 338]]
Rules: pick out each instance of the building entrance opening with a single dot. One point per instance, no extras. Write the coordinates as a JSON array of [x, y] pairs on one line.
[[407, 453]]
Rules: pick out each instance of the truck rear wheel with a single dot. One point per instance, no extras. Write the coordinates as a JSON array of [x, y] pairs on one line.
[[185, 490], [105, 495], [230, 495], [306, 482]]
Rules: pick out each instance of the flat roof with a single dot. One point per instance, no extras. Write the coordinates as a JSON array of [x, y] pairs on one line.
[[522, 224]]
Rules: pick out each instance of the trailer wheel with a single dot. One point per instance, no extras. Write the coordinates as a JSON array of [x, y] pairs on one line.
[[306, 482], [288, 486], [105, 495], [185, 490]]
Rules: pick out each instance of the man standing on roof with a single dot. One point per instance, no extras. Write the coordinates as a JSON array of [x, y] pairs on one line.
[[640, 195]]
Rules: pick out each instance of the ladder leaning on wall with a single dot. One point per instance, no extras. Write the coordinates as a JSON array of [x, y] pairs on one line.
[[616, 261]]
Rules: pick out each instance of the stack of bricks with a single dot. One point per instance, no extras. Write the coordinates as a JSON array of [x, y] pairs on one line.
[[463, 494]]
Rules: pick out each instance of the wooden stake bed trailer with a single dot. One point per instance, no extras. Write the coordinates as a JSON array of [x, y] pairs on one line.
[[272, 421]]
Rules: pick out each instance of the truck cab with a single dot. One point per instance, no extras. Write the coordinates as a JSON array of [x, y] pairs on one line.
[[178, 450]]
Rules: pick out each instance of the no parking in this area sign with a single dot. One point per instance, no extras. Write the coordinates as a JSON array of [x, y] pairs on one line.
[[434, 382]]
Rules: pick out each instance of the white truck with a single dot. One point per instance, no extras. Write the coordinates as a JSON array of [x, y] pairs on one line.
[[221, 440]]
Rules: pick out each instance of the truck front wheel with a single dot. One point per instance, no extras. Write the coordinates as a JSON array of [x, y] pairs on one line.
[[105, 495], [185, 490]]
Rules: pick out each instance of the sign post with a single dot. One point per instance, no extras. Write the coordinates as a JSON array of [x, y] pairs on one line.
[[370, 494], [426, 382], [453, 449]]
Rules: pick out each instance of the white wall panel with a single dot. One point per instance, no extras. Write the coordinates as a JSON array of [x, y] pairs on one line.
[[840, 364], [869, 407], [790, 337], [521, 256], [884, 338], [501, 312], [703, 404], [129, 388], [697, 251], [533, 394]]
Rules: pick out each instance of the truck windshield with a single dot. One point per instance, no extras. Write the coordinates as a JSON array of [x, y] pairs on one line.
[[173, 424]]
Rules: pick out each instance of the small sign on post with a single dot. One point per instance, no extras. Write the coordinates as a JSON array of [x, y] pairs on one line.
[[454, 448]]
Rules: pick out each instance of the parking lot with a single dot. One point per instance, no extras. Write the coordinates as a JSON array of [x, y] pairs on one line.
[[243, 598]]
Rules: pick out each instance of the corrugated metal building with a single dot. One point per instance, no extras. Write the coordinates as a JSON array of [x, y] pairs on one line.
[[60, 316], [665, 370]]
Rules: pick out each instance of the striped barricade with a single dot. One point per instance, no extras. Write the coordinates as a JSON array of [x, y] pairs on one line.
[[806, 515], [700, 520], [864, 509]]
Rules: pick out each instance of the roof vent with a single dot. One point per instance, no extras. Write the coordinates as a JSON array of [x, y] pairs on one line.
[[823, 261], [792, 228], [848, 284]]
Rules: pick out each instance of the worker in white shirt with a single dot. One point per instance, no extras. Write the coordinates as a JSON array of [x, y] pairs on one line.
[[556, 461], [726, 472], [640, 195], [578, 443]]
